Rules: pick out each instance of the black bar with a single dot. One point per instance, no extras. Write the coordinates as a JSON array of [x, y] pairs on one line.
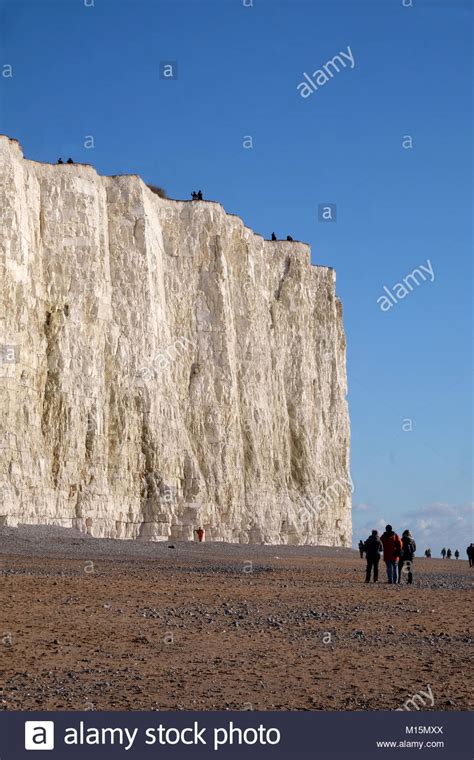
[[329, 736]]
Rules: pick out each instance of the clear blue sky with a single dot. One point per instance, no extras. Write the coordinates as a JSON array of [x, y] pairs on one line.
[[81, 71]]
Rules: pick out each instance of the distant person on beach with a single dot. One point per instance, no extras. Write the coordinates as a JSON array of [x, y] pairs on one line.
[[200, 534], [408, 553], [428, 553], [443, 552], [392, 549], [361, 549], [470, 554], [456, 553], [448, 554], [373, 548]]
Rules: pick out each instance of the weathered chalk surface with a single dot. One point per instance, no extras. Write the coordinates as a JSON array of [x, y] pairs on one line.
[[163, 367]]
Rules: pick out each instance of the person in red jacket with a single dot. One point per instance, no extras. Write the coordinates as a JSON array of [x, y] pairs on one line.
[[200, 533], [392, 549]]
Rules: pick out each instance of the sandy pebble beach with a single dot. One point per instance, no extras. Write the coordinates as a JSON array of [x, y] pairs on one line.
[[97, 624]]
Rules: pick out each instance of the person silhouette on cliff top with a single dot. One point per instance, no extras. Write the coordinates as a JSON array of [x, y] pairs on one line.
[[274, 237]]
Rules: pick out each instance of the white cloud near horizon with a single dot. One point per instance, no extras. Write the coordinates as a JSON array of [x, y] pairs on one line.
[[433, 525]]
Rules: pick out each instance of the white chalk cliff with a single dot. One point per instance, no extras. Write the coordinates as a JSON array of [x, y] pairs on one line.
[[163, 367]]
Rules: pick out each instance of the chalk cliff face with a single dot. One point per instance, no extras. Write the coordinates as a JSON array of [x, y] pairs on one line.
[[163, 367]]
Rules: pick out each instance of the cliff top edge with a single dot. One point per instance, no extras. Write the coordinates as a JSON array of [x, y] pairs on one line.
[[91, 168]]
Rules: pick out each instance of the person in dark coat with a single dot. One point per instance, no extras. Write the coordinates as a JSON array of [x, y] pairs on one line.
[[470, 554], [443, 552], [274, 237], [373, 548], [199, 195], [456, 553], [449, 554], [288, 237], [60, 161], [361, 549], [407, 555], [69, 161]]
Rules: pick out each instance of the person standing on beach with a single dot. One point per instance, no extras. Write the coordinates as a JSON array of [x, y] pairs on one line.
[[373, 548], [448, 554], [470, 554], [361, 549], [199, 533], [456, 553], [406, 559], [392, 549], [443, 552]]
